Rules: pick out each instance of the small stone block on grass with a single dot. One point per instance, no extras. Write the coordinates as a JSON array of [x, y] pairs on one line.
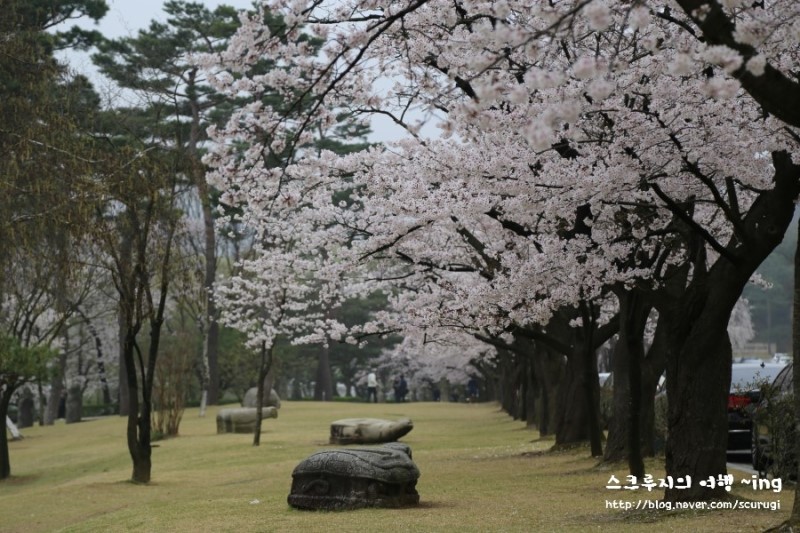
[[368, 430], [242, 419]]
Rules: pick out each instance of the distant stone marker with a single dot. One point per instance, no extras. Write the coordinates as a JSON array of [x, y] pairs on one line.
[[15, 434], [368, 430], [381, 476], [26, 414], [74, 406], [242, 419], [250, 398]]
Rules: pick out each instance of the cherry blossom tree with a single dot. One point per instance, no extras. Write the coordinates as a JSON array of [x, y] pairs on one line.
[[266, 300], [584, 145], [426, 358]]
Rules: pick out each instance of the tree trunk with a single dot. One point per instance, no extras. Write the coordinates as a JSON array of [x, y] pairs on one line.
[[123, 394], [515, 387], [637, 319], [699, 350], [138, 430], [652, 368], [624, 432], [5, 459], [490, 377], [794, 519], [698, 376], [141, 406], [211, 346], [203, 371], [572, 422], [26, 415], [579, 394], [98, 347], [74, 406], [522, 387], [42, 401], [506, 383], [101, 371], [698, 381], [57, 389], [263, 371], [532, 392], [590, 379], [549, 371], [323, 387], [617, 443]]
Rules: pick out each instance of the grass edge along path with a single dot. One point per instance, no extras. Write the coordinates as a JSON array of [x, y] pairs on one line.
[[480, 471]]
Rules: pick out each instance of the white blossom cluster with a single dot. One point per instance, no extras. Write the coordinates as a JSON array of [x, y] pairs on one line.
[[547, 110]]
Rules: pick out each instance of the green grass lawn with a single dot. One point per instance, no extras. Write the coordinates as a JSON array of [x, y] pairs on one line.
[[481, 471]]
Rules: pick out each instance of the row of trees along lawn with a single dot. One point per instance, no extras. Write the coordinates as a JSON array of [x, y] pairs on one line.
[[45, 189], [92, 213], [588, 175], [110, 224]]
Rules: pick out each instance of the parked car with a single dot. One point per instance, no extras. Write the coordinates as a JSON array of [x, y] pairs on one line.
[[747, 382], [772, 435]]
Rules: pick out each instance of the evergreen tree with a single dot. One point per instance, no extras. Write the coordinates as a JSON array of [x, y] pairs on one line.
[[43, 175]]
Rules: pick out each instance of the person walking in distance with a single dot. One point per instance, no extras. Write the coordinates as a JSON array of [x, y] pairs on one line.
[[372, 387], [402, 389], [472, 390]]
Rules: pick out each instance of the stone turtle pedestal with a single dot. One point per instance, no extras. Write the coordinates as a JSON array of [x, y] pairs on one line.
[[335, 480], [368, 430], [242, 419]]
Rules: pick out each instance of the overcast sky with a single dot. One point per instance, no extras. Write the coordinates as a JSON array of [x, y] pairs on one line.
[[126, 17]]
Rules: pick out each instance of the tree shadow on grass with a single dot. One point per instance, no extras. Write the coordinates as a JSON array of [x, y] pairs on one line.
[[19, 480], [20, 444]]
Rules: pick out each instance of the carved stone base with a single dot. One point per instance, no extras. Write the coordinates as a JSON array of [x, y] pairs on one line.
[[356, 478], [242, 419], [368, 430]]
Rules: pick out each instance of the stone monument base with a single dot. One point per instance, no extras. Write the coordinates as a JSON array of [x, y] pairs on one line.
[[242, 419], [368, 430]]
